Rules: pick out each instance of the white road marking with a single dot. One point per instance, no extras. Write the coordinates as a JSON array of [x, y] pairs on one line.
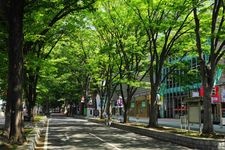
[[46, 136], [105, 141]]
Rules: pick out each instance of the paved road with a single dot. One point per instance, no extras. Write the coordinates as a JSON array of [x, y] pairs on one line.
[[78, 134]]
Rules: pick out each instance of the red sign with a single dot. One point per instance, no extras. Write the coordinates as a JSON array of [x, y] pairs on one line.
[[201, 91], [215, 98]]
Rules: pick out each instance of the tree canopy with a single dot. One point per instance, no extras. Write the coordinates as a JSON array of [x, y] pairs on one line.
[[67, 49]]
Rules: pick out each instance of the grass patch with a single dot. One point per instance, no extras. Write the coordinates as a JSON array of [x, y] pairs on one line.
[[27, 131], [38, 118], [215, 136]]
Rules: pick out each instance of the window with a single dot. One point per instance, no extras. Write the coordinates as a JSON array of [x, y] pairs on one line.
[[143, 104]]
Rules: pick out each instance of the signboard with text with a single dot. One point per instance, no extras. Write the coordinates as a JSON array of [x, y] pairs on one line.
[[215, 96]]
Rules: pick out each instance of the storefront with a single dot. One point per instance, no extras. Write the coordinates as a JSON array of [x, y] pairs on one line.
[[139, 107]]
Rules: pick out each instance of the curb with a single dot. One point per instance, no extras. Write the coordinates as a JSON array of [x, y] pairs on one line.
[[32, 139], [191, 142]]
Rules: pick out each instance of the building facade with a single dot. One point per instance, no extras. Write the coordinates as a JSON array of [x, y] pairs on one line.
[[174, 90]]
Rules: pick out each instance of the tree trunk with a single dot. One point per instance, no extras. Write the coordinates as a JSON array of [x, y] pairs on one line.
[[31, 95], [126, 107], [207, 75], [30, 87], [15, 75], [153, 112], [108, 108], [125, 114], [207, 115]]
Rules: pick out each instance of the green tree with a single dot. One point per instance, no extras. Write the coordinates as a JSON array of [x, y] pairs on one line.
[[164, 23], [71, 81], [33, 45], [44, 17], [15, 72], [105, 60], [105, 73], [209, 32], [186, 75], [124, 38]]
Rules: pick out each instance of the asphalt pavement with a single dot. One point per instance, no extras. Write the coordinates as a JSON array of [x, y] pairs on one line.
[[167, 122], [73, 133]]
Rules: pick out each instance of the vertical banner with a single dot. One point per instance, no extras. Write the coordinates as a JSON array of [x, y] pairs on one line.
[[215, 97]]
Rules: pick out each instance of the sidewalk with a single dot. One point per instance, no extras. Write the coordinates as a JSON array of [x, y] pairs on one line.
[[32, 137], [171, 122]]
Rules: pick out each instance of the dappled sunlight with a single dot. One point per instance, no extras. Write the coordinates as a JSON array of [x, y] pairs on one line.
[[126, 140], [78, 134]]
